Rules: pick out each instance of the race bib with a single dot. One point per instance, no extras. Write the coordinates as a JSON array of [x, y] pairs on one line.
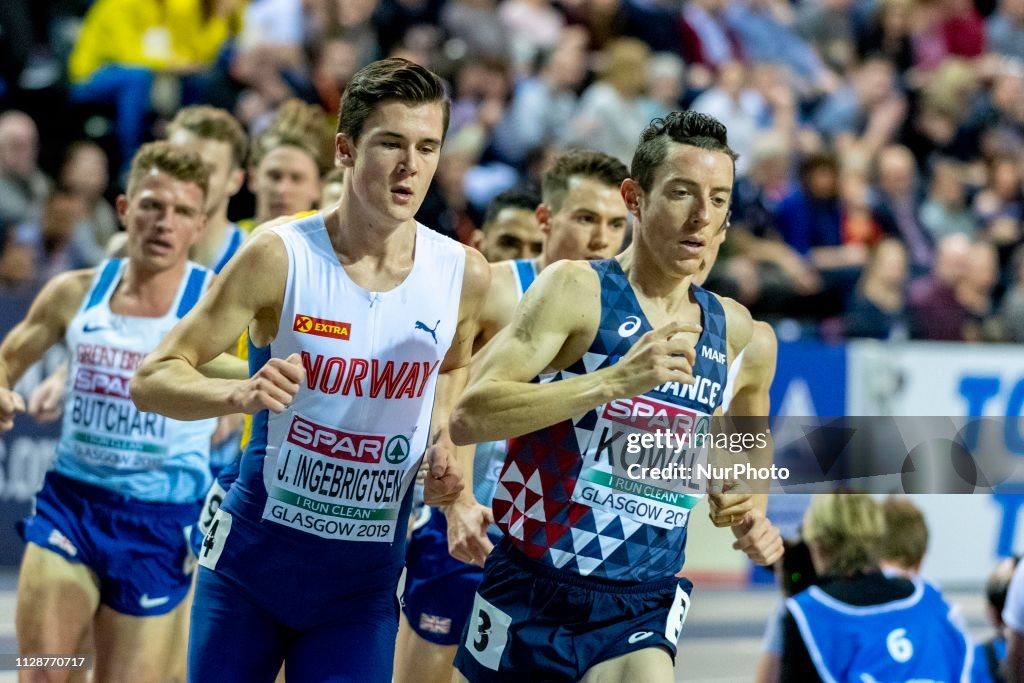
[[487, 634], [677, 615], [107, 429], [336, 484], [640, 461], [216, 537]]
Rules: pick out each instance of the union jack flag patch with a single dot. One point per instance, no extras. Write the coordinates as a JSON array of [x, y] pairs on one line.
[[432, 624]]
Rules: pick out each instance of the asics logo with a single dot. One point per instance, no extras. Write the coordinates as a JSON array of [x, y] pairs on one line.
[[629, 327], [638, 636], [420, 325]]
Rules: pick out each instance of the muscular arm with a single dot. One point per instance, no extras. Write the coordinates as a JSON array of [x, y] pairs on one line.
[[501, 402], [444, 479], [757, 537], [454, 372], [552, 326], [44, 326], [751, 401], [226, 366], [168, 381]]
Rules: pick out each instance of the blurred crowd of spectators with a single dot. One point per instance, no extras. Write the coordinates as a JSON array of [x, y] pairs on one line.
[[880, 187]]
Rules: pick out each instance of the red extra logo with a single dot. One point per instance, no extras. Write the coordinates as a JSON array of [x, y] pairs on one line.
[[335, 443], [322, 328]]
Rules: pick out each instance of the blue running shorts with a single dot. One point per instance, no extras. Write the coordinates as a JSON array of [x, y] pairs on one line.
[[439, 589], [538, 623], [235, 639], [138, 549]]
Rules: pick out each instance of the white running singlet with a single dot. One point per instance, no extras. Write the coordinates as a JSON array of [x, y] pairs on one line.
[[340, 459], [105, 440]]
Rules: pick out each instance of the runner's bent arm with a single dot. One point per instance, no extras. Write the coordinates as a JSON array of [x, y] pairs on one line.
[[751, 402], [43, 326], [468, 520], [563, 305], [443, 457], [226, 366], [755, 535], [251, 287], [454, 371]]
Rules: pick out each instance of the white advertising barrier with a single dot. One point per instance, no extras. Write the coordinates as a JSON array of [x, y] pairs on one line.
[[934, 378], [968, 532]]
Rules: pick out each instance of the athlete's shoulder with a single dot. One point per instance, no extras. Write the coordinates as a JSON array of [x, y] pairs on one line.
[[501, 271], [73, 283], [196, 266], [739, 324], [580, 276], [268, 226], [759, 356], [477, 273], [566, 295], [763, 341], [262, 254], [61, 297], [503, 280]]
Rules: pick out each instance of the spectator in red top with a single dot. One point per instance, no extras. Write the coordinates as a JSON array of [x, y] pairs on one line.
[[963, 29]]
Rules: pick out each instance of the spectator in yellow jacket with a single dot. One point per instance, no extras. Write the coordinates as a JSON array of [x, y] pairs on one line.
[[124, 43]]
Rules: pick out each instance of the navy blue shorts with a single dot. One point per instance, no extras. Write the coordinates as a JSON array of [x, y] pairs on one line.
[[234, 639], [439, 589], [139, 550], [534, 622]]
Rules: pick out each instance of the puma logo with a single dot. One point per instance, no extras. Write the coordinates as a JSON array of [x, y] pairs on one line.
[[433, 331]]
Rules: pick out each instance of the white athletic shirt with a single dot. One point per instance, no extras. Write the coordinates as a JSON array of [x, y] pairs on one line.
[[339, 461], [106, 441]]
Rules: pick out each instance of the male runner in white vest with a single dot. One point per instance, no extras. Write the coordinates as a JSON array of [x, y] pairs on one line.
[[107, 544], [352, 315]]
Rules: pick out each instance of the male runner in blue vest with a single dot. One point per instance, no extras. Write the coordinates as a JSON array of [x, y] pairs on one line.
[[582, 584]]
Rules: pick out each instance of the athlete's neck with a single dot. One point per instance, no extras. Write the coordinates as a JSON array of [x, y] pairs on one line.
[[668, 291], [357, 235], [376, 257], [147, 292]]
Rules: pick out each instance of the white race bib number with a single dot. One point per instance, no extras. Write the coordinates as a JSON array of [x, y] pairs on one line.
[[487, 635]]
